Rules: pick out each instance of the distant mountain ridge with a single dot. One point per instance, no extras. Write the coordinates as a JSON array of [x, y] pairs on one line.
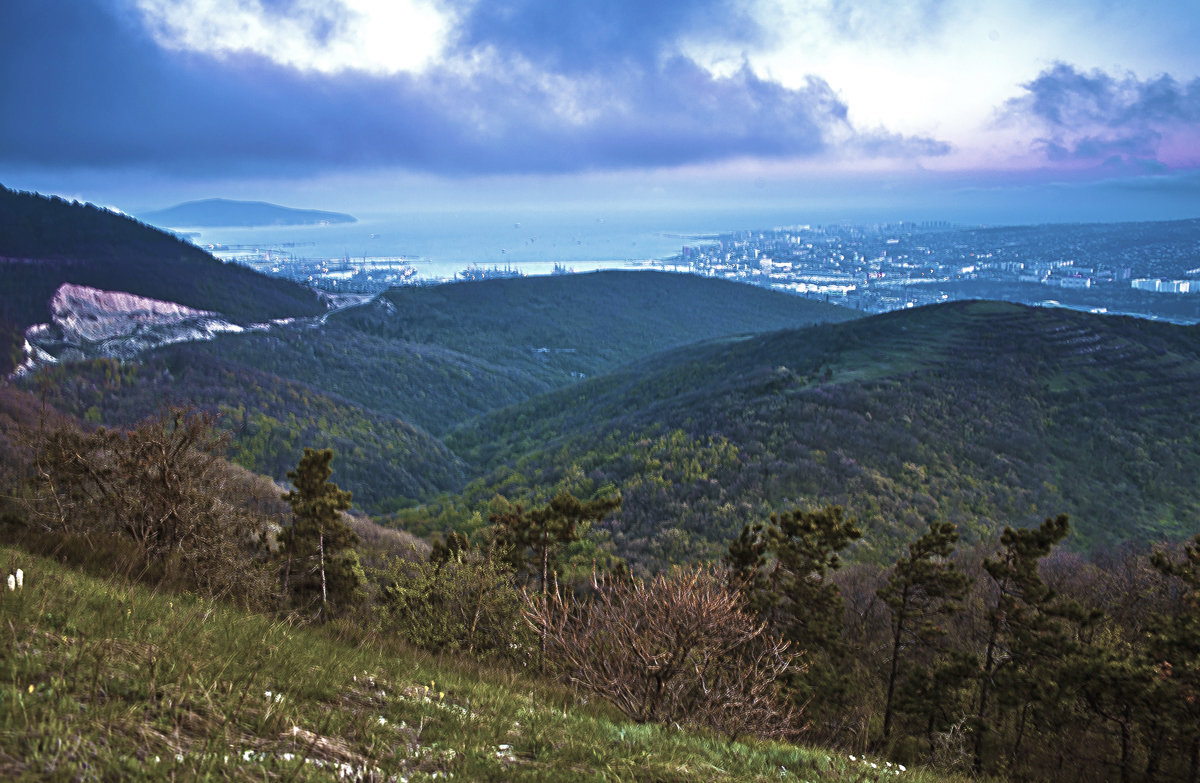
[[214, 212]]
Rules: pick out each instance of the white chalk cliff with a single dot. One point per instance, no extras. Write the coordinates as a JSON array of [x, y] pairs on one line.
[[88, 322]]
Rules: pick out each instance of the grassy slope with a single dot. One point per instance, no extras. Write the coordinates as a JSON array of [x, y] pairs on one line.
[[103, 680], [983, 413]]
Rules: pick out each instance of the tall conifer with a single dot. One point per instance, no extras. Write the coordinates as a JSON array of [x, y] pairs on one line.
[[319, 547], [923, 589], [1022, 629]]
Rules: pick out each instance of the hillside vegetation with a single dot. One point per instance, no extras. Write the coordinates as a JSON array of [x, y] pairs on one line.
[[107, 679], [384, 459], [437, 355], [907, 624], [982, 414], [373, 380], [586, 323]]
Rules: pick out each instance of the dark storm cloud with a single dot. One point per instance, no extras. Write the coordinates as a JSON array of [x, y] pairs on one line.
[[83, 85], [1094, 115]]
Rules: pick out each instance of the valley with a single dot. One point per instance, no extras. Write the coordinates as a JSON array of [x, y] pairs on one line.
[[706, 403]]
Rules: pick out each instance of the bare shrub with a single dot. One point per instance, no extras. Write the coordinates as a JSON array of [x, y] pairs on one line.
[[164, 487], [679, 648]]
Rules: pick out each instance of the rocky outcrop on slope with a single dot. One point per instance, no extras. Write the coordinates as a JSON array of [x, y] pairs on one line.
[[88, 322]]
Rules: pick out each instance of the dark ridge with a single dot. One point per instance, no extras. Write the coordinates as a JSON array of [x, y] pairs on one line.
[[47, 241]]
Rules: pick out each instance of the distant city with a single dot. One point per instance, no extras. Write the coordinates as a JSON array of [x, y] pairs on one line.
[[1151, 270]]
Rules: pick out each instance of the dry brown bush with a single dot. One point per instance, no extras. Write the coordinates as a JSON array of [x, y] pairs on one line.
[[164, 487], [679, 648]]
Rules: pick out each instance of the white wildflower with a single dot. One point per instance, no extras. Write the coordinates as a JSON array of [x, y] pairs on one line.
[[12, 582], [20, 579], [382, 721]]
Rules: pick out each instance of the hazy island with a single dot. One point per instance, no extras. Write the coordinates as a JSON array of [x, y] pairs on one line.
[[213, 212]]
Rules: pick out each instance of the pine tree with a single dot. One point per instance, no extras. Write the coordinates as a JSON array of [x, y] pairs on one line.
[[747, 557], [531, 537], [453, 547], [784, 568], [924, 588], [1175, 646], [319, 546], [1022, 627], [539, 532]]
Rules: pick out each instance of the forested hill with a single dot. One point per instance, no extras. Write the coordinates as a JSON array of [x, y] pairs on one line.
[[439, 355], [45, 242], [430, 357], [582, 323], [981, 413]]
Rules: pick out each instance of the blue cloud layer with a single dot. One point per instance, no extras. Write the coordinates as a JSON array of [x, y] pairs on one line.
[[577, 86], [1096, 116], [573, 37]]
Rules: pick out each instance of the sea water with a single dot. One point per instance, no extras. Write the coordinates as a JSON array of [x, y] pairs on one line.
[[439, 244]]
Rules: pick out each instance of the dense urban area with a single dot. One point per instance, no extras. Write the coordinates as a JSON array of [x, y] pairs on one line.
[[1147, 269]]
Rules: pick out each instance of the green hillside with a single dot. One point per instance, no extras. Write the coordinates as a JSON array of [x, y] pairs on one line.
[[427, 384], [373, 380], [535, 334], [980, 413], [380, 458], [45, 242], [107, 680]]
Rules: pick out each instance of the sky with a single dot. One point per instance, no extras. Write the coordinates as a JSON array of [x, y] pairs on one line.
[[999, 111]]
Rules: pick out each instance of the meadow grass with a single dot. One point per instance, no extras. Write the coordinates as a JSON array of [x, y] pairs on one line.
[[101, 679]]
